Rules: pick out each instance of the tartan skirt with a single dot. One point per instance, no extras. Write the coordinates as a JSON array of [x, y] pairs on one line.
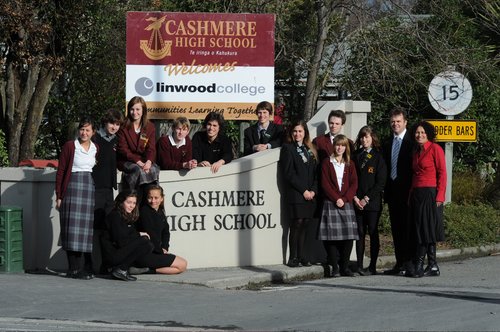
[[135, 176], [77, 213], [337, 224]]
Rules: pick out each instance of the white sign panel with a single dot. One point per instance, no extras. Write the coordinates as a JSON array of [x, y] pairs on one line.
[[450, 93]]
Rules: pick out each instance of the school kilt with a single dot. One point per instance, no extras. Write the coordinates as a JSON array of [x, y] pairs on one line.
[[135, 176], [77, 213], [337, 224]]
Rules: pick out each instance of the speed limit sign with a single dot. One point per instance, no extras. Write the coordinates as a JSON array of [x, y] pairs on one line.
[[450, 93]]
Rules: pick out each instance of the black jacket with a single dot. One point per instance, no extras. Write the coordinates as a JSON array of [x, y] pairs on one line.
[[155, 224], [104, 171], [251, 137], [220, 148], [399, 188], [121, 233], [372, 174], [298, 175]]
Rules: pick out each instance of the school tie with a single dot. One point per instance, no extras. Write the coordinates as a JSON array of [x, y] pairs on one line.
[[396, 146], [263, 139]]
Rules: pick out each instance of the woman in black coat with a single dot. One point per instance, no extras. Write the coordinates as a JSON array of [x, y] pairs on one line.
[[298, 166], [372, 172]]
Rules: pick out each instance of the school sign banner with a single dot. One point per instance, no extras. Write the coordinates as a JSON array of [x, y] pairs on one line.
[[190, 64]]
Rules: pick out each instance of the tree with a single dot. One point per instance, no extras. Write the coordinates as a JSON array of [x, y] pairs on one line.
[[312, 44], [393, 61], [27, 74], [332, 19], [93, 79], [386, 51], [35, 36]]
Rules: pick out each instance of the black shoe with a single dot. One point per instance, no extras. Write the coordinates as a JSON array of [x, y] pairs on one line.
[[137, 270], [103, 270], [396, 270], [372, 271], [418, 271], [326, 271], [361, 272], [346, 273], [82, 275], [432, 271], [70, 274], [122, 275], [131, 278], [417, 274], [293, 262], [305, 263]]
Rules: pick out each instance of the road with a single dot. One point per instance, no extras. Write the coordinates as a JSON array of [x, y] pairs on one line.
[[465, 298]]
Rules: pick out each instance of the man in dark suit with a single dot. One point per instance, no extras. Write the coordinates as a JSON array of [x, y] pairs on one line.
[[264, 134], [397, 154]]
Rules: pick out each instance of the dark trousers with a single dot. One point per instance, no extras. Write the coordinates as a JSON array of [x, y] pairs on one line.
[[367, 222], [404, 247]]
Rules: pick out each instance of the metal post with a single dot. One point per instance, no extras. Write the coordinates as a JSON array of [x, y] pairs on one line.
[[449, 165]]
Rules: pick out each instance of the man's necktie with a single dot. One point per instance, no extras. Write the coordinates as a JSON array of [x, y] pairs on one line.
[[396, 146], [263, 139]]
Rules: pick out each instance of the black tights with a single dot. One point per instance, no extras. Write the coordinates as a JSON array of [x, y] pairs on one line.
[[368, 221], [297, 237], [77, 260], [338, 251]]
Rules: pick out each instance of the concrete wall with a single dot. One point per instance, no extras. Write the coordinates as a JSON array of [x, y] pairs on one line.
[[356, 117], [233, 218], [33, 191]]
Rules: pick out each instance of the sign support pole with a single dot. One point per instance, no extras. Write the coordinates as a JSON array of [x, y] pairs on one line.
[[449, 93], [448, 152]]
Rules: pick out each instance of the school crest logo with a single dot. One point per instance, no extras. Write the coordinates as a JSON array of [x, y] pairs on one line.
[[156, 48]]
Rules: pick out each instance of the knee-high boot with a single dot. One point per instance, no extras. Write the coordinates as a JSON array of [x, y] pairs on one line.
[[419, 265], [432, 269]]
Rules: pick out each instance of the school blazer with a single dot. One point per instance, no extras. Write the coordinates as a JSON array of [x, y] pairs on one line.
[[372, 174], [330, 185], [132, 148], [251, 137], [298, 175]]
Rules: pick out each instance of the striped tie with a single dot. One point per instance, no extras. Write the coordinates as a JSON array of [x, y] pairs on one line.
[[396, 146]]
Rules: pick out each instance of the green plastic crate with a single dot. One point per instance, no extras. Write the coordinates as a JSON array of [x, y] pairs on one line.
[[11, 239]]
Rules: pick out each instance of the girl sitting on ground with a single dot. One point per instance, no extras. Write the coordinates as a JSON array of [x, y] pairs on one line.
[[125, 246], [153, 221]]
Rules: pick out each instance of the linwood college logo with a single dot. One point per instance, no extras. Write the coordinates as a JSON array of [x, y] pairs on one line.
[[156, 48]]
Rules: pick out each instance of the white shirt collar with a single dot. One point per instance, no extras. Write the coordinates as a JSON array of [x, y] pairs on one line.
[[400, 136], [261, 127], [92, 148], [172, 141]]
